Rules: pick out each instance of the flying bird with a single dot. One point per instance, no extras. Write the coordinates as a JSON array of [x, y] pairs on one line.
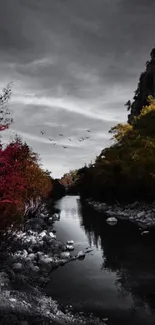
[[42, 132], [64, 147], [50, 139], [61, 135], [54, 144], [88, 130], [69, 139]]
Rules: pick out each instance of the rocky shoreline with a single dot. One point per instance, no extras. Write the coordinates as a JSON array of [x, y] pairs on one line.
[[141, 214], [27, 262]]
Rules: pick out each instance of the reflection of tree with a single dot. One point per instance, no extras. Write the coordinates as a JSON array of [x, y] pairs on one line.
[[125, 252]]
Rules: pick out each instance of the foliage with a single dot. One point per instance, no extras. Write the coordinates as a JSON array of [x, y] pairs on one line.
[[126, 170], [145, 88], [21, 176], [69, 178]]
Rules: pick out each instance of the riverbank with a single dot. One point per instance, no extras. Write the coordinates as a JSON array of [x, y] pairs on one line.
[[28, 255], [141, 214]]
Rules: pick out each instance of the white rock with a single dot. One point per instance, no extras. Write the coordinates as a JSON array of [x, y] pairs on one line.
[[65, 255], [105, 319], [145, 232], [131, 218], [32, 256], [43, 233], [70, 242], [12, 299], [17, 266], [111, 221], [81, 254], [52, 235], [141, 214], [25, 253], [70, 247]]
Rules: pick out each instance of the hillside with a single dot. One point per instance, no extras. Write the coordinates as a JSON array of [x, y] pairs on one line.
[[125, 171]]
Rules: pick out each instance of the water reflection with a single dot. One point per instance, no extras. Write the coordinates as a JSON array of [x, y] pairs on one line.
[[116, 280], [127, 253]]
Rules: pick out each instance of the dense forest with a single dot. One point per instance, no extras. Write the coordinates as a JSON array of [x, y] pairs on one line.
[[125, 171]]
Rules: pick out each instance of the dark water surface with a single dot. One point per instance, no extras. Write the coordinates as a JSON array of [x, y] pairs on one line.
[[116, 280]]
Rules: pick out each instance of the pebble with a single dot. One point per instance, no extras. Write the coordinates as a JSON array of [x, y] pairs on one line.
[[111, 221], [32, 256], [70, 242], [70, 247], [145, 232], [12, 299], [17, 266], [43, 233]]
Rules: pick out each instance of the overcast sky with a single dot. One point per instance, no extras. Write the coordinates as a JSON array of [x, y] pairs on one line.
[[74, 64]]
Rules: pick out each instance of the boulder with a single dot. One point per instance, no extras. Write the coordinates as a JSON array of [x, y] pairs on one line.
[[141, 214], [111, 221], [81, 255], [145, 232], [43, 233], [17, 266], [65, 255], [70, 247], [32, 256], [52, 235], [70, 242]]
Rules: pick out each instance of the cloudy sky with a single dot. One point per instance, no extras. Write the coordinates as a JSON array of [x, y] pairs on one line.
[[74, 63]]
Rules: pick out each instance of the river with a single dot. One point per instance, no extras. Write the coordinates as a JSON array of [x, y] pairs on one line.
[[117, 279]]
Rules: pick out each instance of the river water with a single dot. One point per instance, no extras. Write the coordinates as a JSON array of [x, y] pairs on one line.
[[117, 279]]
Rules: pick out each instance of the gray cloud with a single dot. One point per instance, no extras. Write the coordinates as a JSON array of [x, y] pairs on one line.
[[74, 64]]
